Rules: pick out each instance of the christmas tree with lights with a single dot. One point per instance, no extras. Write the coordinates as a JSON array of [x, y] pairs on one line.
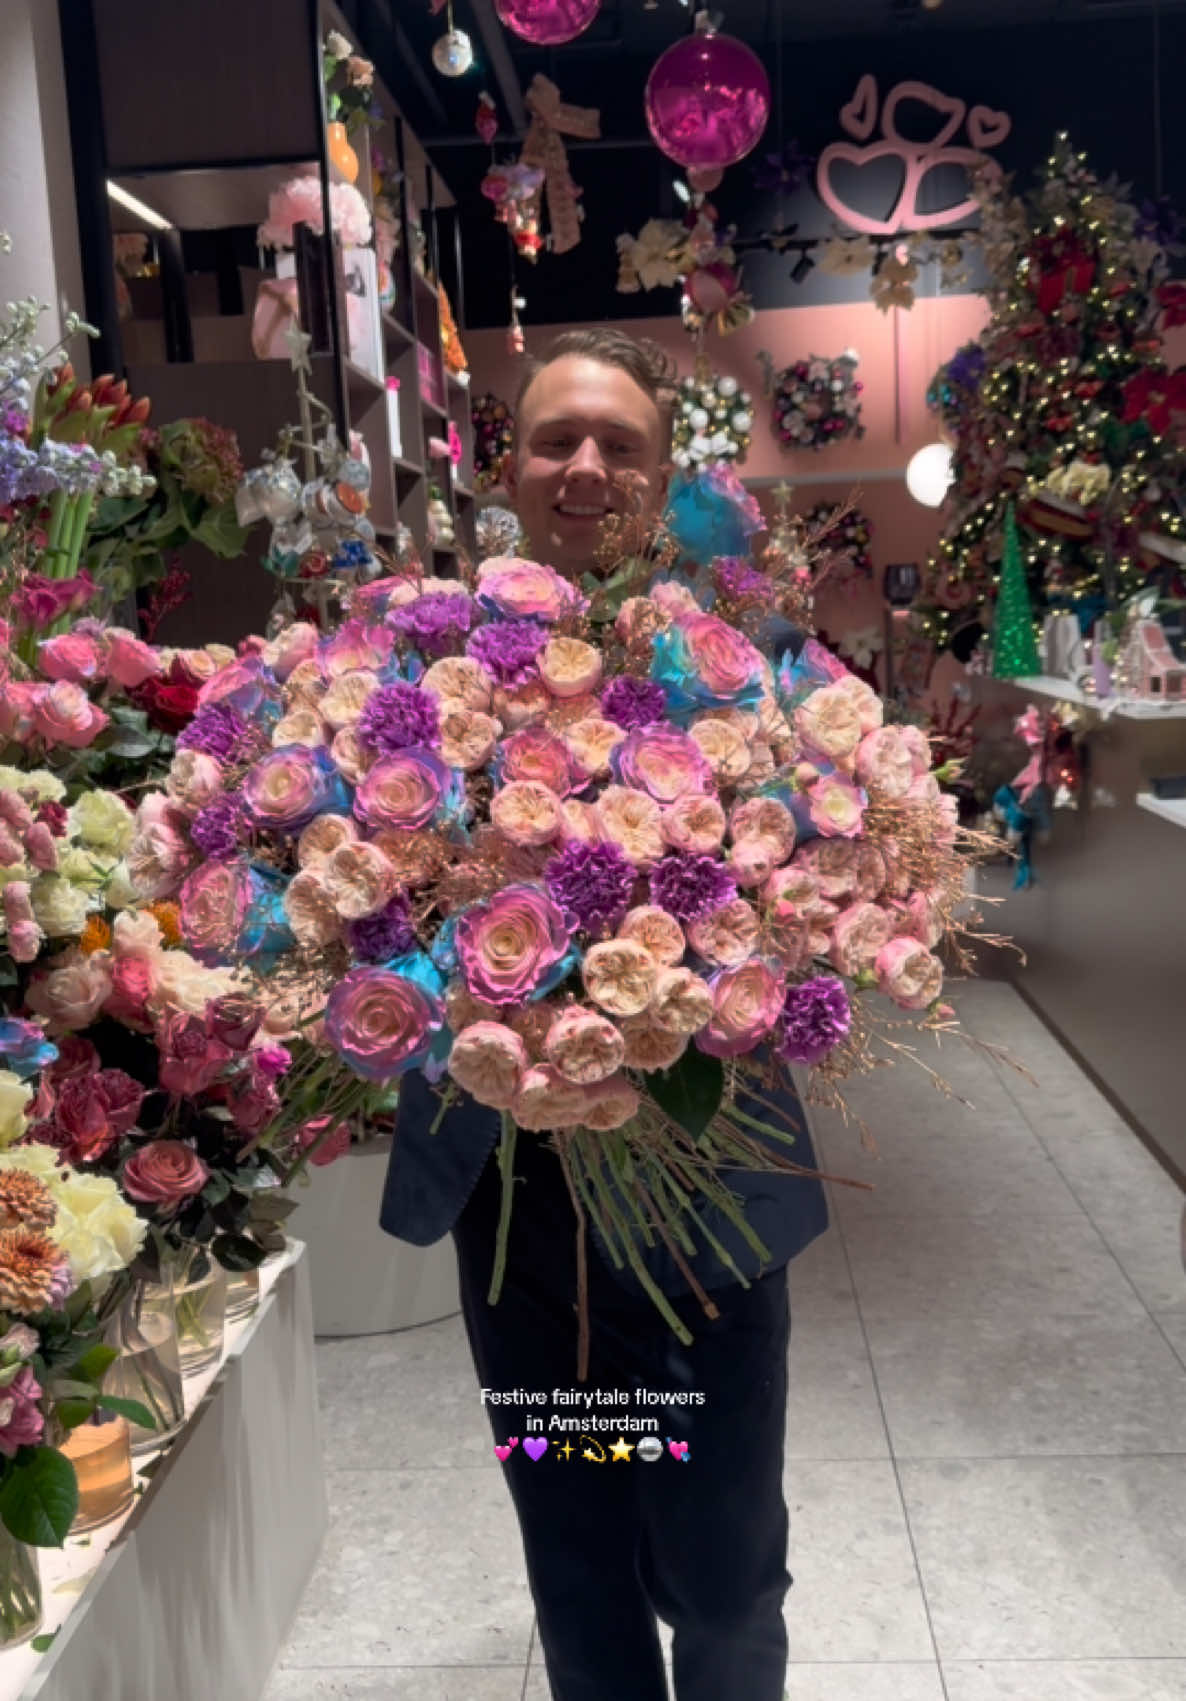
[[1064, 407]]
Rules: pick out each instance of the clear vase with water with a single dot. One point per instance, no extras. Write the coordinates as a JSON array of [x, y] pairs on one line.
[[144, 1333], [199, 1305], [20, 1591]]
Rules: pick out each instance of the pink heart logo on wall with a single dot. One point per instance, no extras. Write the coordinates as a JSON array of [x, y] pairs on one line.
[[535, 1446], [678, 1450]]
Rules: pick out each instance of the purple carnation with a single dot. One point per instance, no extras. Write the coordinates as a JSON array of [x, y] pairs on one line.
[[508, 648], [379, 938], [738, 580], [592, 885], [434, 623], [217, 830], [219, 730], [632, 702], [399, 717], [815, 1018], [691, 887]]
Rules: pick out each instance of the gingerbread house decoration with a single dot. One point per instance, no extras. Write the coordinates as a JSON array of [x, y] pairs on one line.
[[1150, 668]]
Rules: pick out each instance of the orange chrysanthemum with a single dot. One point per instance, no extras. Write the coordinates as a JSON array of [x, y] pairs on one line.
[[28, 1263], [168, 918], [25, 1202], [96, 935]]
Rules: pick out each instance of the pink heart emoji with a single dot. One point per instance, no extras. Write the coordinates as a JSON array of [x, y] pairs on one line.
[[678, 1450], [986, 128], [512, 1440], [860, 115], [535, 1446], [504, 1453]]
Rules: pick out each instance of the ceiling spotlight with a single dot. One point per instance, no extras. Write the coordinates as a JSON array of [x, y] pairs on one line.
[[132, 205], [803, 266]]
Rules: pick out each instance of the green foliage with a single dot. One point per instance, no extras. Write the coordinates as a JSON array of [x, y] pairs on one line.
[[690, 1091], [39, 1497]]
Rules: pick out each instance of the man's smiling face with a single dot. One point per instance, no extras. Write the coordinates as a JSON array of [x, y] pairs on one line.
[[590, 442]]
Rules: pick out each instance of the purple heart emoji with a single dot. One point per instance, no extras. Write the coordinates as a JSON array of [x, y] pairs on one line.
[[535, 1446], [504, 1453]]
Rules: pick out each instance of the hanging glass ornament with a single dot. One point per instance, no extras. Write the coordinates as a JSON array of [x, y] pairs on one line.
[[453, 53], [707, 99], [547, 23]]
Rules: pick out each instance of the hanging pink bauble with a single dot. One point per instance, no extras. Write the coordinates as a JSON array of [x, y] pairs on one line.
[[707, 100], [710, 288], [547, 23]]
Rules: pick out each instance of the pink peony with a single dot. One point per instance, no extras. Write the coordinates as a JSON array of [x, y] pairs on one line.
[[161, 853], [511, 945], [746, 1003], [71, 995], [489, 1060], [584, 1046], [909, 974]]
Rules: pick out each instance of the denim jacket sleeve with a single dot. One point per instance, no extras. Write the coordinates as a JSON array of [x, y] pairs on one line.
[[431, 1176]]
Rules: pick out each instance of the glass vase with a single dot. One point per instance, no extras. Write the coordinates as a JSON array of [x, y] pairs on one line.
[[101, 1453], [199, 1305], [242, 1295], [20, 1591], [144, 1333]]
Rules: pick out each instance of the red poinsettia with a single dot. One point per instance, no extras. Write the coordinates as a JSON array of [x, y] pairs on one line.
[[1155, 397], [1171, 297]]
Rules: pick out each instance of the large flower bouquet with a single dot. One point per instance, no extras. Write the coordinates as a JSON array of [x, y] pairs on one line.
[[593, 863]]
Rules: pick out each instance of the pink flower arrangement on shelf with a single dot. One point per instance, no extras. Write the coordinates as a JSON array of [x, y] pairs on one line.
[[299, 202]]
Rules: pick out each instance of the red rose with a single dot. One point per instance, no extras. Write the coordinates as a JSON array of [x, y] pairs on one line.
[[234, 1019], [164, 1173], [92, 1111], [191, 1060], [76, 1056], [168, 707]]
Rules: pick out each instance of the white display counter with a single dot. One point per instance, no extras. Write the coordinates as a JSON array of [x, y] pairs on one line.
[[190, 1595]]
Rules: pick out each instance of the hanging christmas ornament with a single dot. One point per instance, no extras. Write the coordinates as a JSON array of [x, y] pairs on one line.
[[713, 420], [453, 53], [486, 118], [707, 99], [547, 23]]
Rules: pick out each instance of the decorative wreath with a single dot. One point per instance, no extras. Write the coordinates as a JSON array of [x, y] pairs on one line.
[[494, 431], [714, 417], [846, 540], [817, 402]]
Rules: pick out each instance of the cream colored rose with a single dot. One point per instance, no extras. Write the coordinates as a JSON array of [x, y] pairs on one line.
[[584, 1046], [86, 868], [459, 679], [351, 757], [194, 780], [302, 725], [322, 837], [581, 822], [468, 736], [656, 931], [569, 667], [619, 975], [37, 785], [489, 1061], [181, 983], [347, 697], [136, 933], [695, 824], [71, 995], [359, 880], [526, 813], [14, 1096], [591, 742], [829, 724], [727, 935], [723, 746], [764, 818], [61, 907], [632, 821], [310, 911], [523, 706], [306, 684], [120, 892], [103, 820], [650, 1047]]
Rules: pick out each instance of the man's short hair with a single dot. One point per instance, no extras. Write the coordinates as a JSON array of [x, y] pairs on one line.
[[650, 366]]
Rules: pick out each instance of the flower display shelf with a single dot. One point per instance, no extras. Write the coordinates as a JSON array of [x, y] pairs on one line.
[[1127, 708], [215, 1539]]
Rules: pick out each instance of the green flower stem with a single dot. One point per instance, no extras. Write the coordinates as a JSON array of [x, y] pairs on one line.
[[656, 1294], [76, 536], [762, 1127], [506, 1169], [20, 1609], [448, 1098], [685, 1206], [59, 509]]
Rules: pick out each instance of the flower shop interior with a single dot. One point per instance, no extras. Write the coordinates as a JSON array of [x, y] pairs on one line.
[[300, 727]]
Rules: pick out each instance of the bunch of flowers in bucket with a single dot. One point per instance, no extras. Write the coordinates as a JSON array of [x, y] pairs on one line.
[[590, 862]]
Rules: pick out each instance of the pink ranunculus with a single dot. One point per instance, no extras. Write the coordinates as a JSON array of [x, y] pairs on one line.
[[403, 791], [585, 1046], [539, 755], [64, 714], [664, 762], [723, 658], [161, 853], [21, 1421], [214, 901], [908, 973], [130, 661], [746, 1003], [885, 762], [71, 995], [526, 590], [511, 944], [164, 1173], [488, 1061], [858, 934], [194, 780], [545, 1100], [73, 656], [381, 1023], [837, 807]]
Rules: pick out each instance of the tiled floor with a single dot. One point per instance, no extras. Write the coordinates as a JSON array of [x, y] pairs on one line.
[[986, 1445]]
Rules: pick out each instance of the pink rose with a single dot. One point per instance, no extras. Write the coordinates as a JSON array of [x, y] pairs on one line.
[[403, 791], [924, 788], [489, 1060], [545, 1100], [194, 780], [843, 868], [919, 746], [746, 1003], [753, 860], [71, 656], [764, 818], [539, 755], [161, 854], [858, 934], [837, 807], [682, 1002], [885, 762], [330, 1149], [610, 1104], [870, 710], [922, 919], [526, 812], [908, 973], [17, 701], [284, 790], [727, 664], [655, 930], [214, 902], [947, 822], [164, 1172], [355, 645], [829, 724], [511, 945], [381, 1023], [131, 988], [130, 661], [569, 667], [297, 643], [64, 714], [584, 1046], [525, 589], [664, 762], [727, 935], [71, 996], [694, 823]]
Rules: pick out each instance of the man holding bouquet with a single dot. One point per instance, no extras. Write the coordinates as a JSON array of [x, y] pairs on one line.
[[700, 1544]]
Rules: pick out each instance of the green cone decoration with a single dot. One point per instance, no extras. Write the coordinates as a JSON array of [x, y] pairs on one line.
[[1014, 648]]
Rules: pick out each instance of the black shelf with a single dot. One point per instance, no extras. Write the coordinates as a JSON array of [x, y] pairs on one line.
[[431, 407], [397, 330]]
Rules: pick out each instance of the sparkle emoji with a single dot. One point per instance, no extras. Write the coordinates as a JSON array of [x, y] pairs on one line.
[[566, 1452], [621, 1450]]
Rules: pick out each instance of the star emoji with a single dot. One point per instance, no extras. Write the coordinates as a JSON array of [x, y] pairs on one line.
[[621, 1450]]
